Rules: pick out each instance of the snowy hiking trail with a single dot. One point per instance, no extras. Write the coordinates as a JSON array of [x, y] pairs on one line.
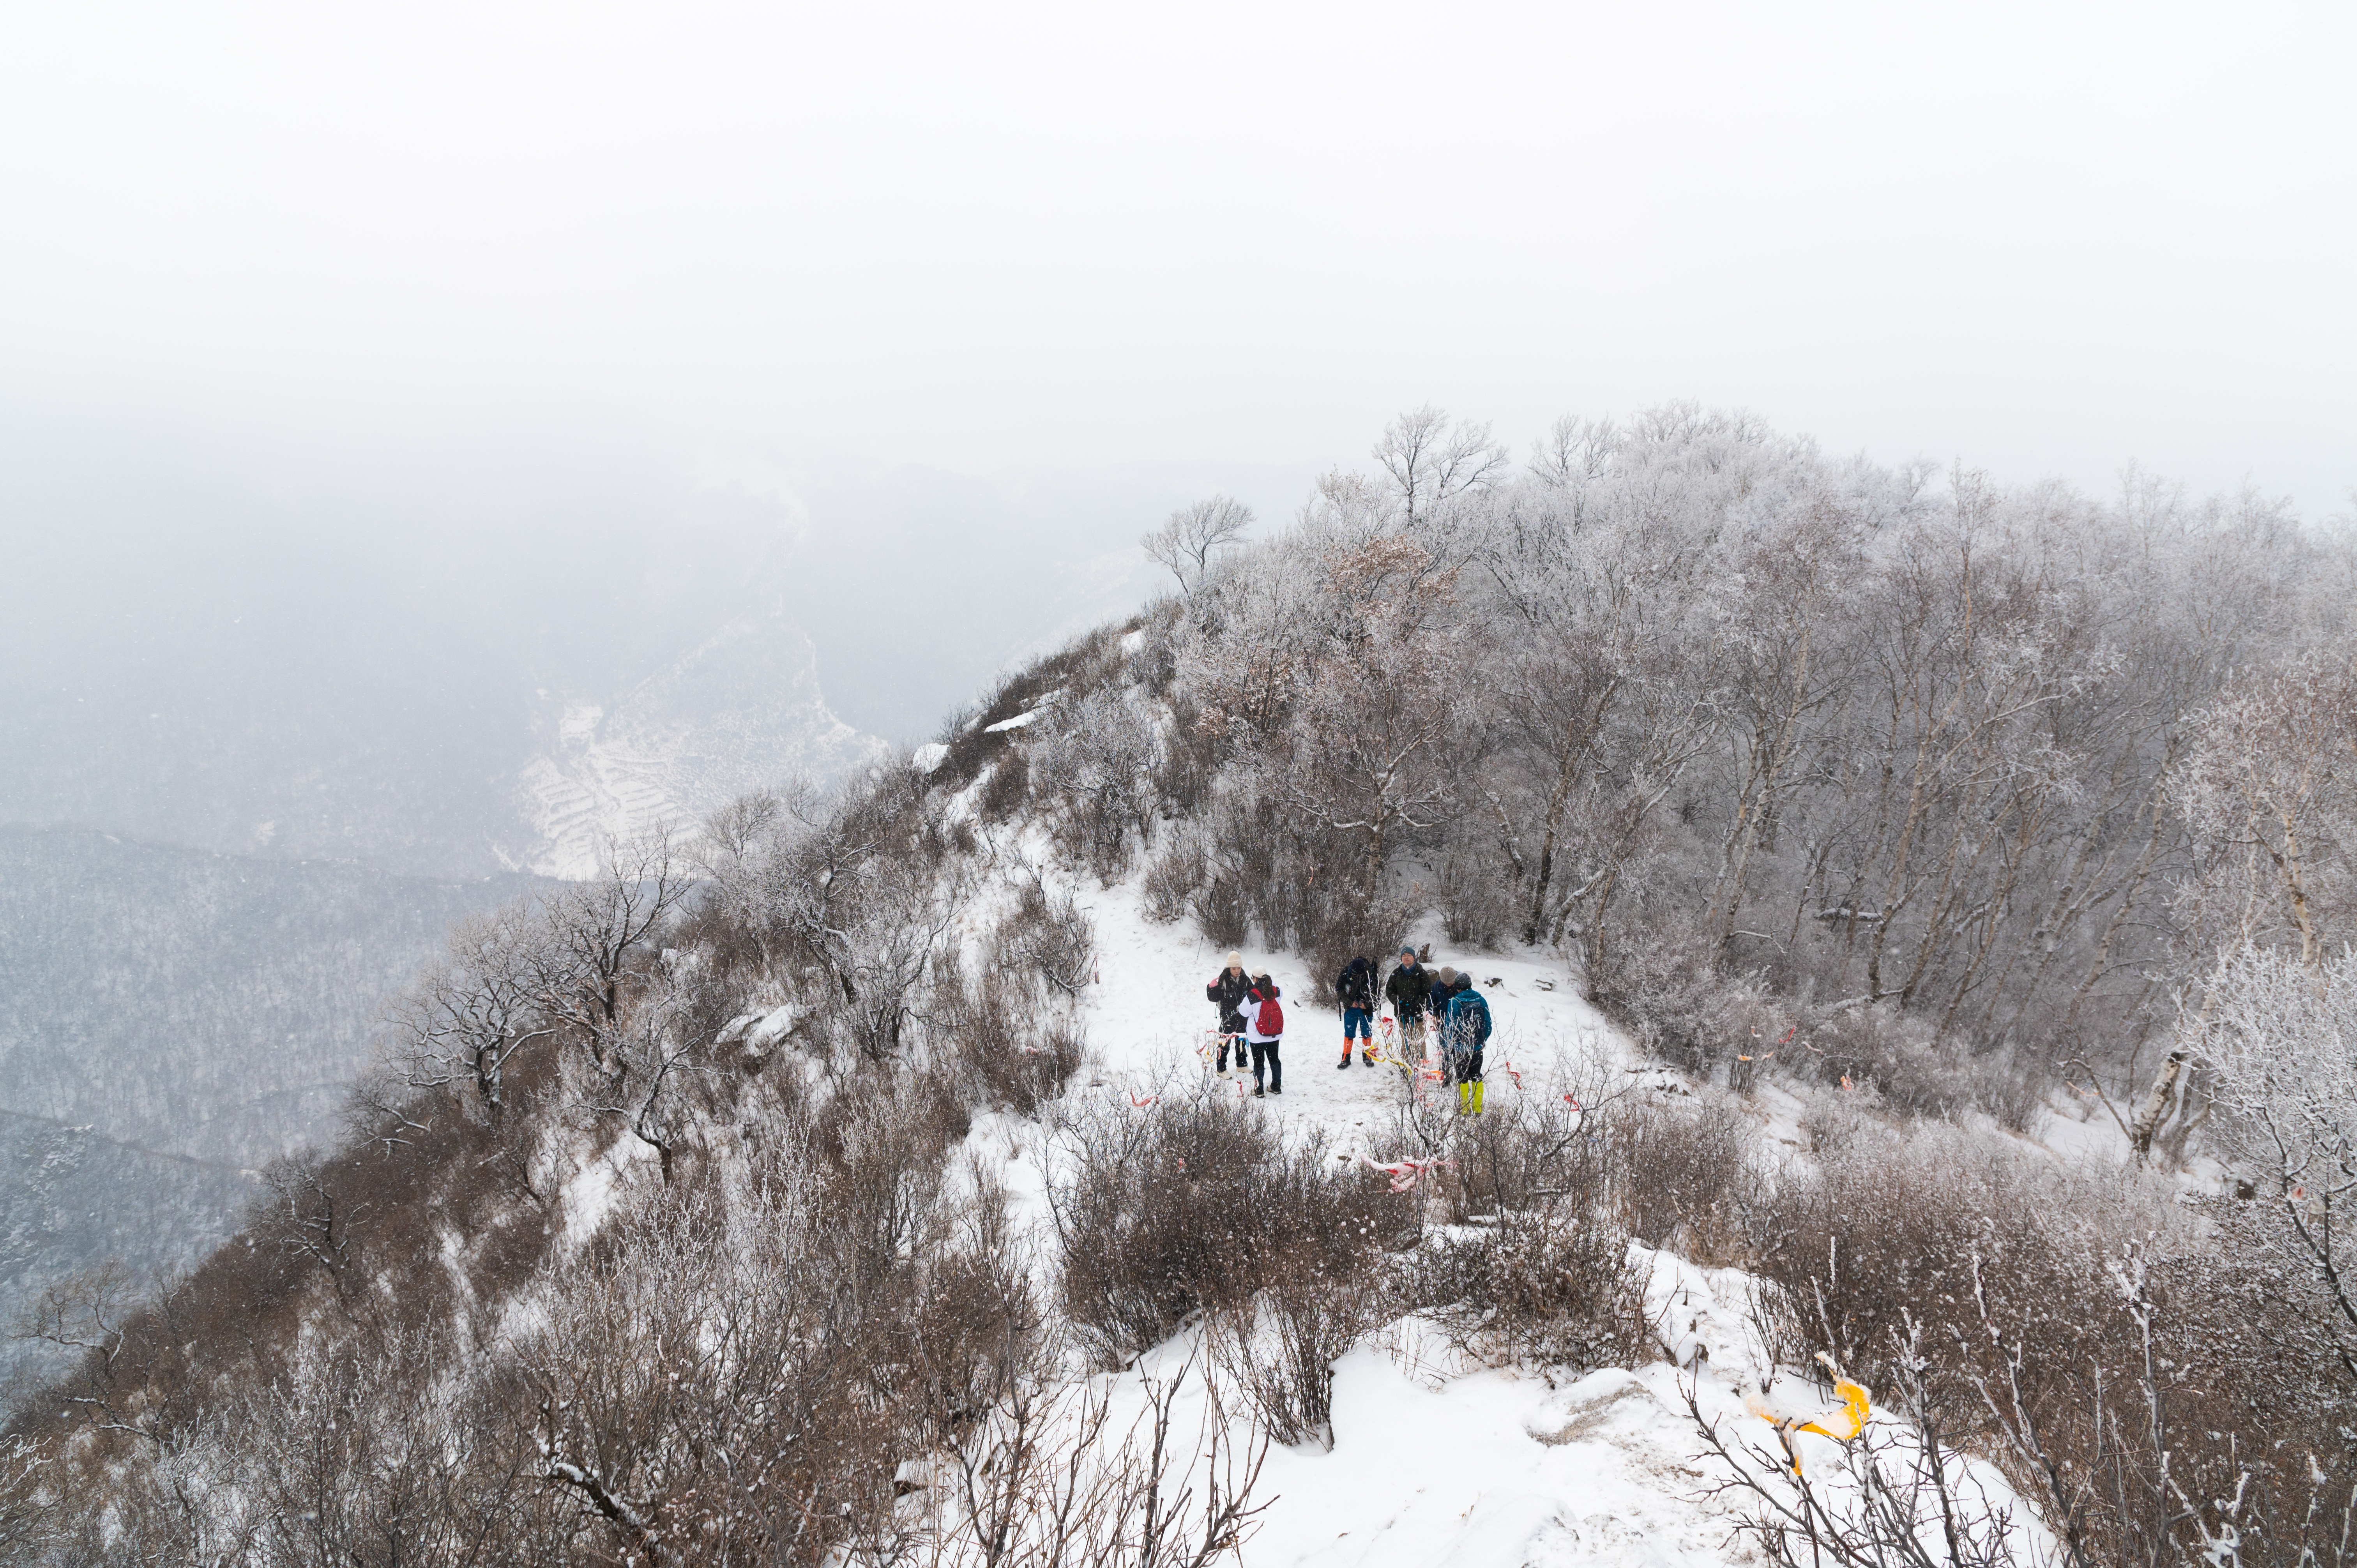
[[1436, 1462], [1146, 1018]]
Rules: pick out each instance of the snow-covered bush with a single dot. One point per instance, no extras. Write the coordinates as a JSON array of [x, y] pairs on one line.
[[1223, 909], [1550, 1287], [1685, 1176], [1536, 1268], [1172, 878], [2279, 1036], [1190, 757], [2082, 1327], [1313, 1302], [1474, 888], [1006, 1034], [1191, 1205], [1007, 786], [1098, 764]]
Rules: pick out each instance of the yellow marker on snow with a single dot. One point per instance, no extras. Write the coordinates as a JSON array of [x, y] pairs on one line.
[[1850, 1419], [1841, 1425]]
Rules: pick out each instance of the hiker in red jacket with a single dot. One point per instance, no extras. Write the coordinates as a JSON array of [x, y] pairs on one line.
[[1263, 1028]]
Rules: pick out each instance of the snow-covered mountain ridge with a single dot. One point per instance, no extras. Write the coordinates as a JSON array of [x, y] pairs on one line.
[[856, 1182]]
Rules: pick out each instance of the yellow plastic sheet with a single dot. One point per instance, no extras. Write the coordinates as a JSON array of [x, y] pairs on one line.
[[1845, 1424], [1841, 1424]]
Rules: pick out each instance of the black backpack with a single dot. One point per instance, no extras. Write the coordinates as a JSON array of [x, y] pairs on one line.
[[1355, 984]]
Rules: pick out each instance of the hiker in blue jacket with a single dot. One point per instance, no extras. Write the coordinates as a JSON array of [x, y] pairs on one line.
[[1440, 986], [1463, 1034]]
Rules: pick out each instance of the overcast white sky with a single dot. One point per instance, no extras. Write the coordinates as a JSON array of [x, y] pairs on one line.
[[2048, 239]]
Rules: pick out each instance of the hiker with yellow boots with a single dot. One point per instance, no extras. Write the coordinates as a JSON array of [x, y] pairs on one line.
[[1464, 1025]]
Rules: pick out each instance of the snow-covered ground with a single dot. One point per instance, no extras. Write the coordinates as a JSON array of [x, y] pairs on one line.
[[1146, 1018]]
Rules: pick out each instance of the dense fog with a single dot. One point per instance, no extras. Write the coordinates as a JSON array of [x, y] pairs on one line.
[[463, 655]]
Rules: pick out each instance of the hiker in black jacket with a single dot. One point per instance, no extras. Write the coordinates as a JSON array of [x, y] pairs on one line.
[[1228, 991], [1445, 987], [1407, 990], [1354, 988]]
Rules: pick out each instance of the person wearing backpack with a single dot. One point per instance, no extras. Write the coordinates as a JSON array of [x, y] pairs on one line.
[[1440, 986], [1463, 1037], [1227, 991], [1408, 991], [1263, 1030], [1354, 988]]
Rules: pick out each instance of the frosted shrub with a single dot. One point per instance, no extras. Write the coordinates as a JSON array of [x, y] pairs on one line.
[[1550, 1286], [1476, 897], [1190, 1205], [1537, 1268], [1172, 879], [1223, 909], [1279, 1346], [1684, 1176], [1008, 785], [989, 1037]]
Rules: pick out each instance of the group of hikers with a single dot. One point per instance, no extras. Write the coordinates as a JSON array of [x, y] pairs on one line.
[[1441, 1019]]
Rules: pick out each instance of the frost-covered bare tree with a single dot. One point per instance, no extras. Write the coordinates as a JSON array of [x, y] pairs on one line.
[[1431, 459], [1573, 451], [848, 903], [737, 830], [1594, 591], [2269, 786], [903, 915], [1379, 732], [1190, 537], [470, 1015], [662, 1044], [597, 928], [1045, 1478], [794, 887], [1780, 640], [1098, 762], [2279, 1035]]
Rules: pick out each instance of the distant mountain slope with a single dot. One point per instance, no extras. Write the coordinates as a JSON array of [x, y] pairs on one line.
[[388, 656], [172, 1016], [71, 1199], [212, 1005]]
